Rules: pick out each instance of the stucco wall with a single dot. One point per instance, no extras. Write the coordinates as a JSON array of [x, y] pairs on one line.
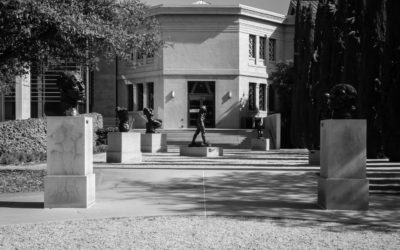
[[200, 44], [175, 108]]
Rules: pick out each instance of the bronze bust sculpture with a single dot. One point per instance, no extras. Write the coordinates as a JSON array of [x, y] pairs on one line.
[[342, 101], [152, 124], [72, 91], [123, 117]]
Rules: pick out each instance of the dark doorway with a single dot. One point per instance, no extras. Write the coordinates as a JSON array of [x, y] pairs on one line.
[[201, 93]]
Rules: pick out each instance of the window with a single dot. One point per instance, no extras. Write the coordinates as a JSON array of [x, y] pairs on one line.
[[252, 46], [150, 58], [261, 100], [262, 48], [130, 97], [150, 96], [252, 96], [140, 96], [272, 50], [271, 99]]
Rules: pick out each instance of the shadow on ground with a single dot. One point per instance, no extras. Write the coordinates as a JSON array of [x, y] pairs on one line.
[[289, 195]]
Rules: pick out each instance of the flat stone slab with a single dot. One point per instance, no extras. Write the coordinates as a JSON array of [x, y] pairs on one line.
[[261, 144], [153, 143], [201, 151], [343, 194], [69, 191]]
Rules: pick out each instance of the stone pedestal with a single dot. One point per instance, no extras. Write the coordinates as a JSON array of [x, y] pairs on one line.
[[70, 182], [272, 131], [154, 143], [201, 151], [343, 183], [123, 147], [313, 157], [261, 144]]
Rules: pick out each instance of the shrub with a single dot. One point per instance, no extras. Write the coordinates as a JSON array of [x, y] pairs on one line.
[[102, 135], [28, 136], [25, 140], [21, 157]]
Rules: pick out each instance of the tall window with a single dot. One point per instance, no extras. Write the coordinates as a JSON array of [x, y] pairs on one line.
[[140, 96], [271, 99], [130, 97], [252, 46], [150, 96], [252, 96], [262, 48], [272, 50], [261, 100], [150, 58]]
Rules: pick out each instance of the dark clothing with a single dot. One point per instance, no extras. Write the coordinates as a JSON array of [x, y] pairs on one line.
[[200, 127]]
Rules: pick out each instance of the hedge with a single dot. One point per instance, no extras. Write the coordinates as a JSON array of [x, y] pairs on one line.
[[25, 140]]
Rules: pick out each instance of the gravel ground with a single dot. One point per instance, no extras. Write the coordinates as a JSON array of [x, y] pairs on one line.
[[14, 180], [195, 233]]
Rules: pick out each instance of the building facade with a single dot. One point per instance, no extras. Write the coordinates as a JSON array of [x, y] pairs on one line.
[[218, 56]]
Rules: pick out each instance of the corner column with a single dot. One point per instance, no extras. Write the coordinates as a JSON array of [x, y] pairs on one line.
[[23, 97]]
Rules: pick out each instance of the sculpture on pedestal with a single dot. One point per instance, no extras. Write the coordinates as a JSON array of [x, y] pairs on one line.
[[72, 91], [152, 124], [200, 128], [258, 124], [123, 117], [342, 101]]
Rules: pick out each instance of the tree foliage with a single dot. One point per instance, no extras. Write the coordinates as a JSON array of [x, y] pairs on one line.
[[71, 30], [355, 42]]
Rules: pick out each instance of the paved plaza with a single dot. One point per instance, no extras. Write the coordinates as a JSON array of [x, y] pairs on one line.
[[276, 184]]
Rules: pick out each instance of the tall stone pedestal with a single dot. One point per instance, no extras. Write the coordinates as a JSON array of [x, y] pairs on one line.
[[123, 147], [154, 143], [201, 151], [260, 144], [70, 182], [342, 183]]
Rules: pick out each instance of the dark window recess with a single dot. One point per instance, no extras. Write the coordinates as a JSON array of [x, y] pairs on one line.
[[9, 106], [150, 96], [252, 46], [262, 97], [271, 99], [252, 96], [262, 48], [272, 50], [130, 97], [140, 96]]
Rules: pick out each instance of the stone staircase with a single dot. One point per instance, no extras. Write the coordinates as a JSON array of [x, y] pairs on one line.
[[226, 138], [384, 177]]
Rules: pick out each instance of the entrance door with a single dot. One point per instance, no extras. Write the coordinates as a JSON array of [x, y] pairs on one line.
[[201, 93]]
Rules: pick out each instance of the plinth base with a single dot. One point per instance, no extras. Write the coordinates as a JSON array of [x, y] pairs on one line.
[[153, 143], [123, 147], [313, 157], [123, 157], [69, 191], [261, 144], [201, 151], [343, 194]]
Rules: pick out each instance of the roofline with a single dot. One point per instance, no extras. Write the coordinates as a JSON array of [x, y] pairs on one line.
[[238, 9]]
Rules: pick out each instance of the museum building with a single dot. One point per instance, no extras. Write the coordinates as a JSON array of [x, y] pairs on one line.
[[214, 55]]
